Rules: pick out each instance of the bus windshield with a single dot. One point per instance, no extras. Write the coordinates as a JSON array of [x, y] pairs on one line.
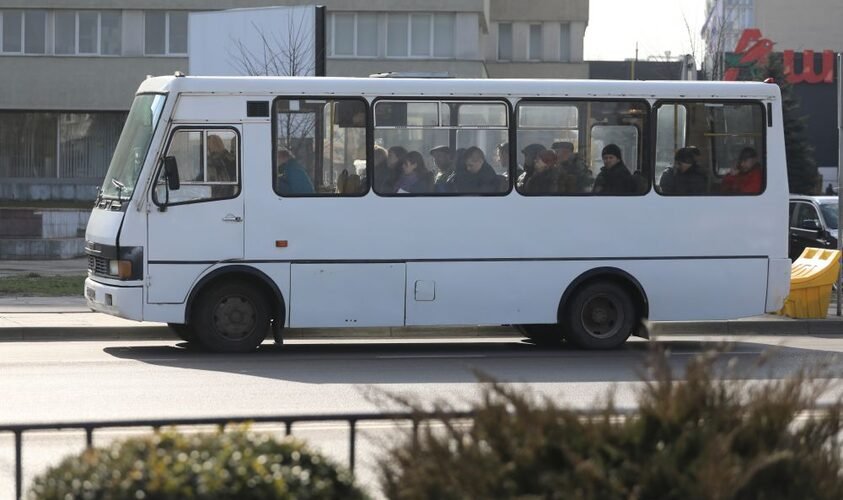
[[132, 147]]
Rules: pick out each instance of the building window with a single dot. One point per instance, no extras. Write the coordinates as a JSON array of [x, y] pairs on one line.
[[344, 36], [12, 32], [420, 35], [535, 42], [367, 35], [505, 41], [396, 35], [353, 35], [35, 27], [165, 33], [88, 32], [63, 145], [564, 42], [444, 28]]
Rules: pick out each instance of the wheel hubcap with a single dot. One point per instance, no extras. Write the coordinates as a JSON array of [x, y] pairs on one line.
[[235, 317], [602, 316]]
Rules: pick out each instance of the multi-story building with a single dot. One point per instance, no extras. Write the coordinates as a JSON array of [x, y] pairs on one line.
[[69, 68], [790, 28]]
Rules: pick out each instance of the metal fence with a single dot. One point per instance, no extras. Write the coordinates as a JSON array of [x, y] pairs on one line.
[[352, 419]]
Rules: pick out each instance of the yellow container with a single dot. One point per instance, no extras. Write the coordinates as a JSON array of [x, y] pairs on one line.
[[811, 277]]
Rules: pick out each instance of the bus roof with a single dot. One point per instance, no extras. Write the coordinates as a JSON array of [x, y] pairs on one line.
[[456, 87]]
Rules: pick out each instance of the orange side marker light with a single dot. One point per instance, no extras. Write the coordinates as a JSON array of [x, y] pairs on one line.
[[280, 243]]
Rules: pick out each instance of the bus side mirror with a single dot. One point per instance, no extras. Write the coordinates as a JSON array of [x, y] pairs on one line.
[[171, 171]]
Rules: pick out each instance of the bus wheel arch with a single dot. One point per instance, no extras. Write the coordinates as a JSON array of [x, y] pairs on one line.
[[610, 282], [246, 278]]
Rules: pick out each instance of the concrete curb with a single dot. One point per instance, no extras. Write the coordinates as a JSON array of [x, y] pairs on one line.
[[161, 332]]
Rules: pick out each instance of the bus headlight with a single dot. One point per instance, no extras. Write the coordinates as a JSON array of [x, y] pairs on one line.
[[120, 268]]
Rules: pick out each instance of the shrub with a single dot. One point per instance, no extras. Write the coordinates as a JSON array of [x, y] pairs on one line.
[[705, 437], [225, 465]]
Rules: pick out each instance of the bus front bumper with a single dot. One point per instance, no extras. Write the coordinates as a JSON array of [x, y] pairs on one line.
[[122, 301]]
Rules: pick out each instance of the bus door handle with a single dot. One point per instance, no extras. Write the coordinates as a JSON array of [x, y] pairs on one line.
[[232, 218]]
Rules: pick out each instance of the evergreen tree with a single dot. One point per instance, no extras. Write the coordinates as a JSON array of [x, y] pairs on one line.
[[802, 174]]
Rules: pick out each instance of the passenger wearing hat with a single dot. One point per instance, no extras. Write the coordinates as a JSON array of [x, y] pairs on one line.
[[574, 176], [685, 176], [746, 177], [614, 177], [545, 178], [530, 152], [444, 161]]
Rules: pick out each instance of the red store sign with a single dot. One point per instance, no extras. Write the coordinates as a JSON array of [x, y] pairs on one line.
[[753, 48]]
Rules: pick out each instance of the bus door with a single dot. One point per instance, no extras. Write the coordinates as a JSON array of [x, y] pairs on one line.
[[200, 222]]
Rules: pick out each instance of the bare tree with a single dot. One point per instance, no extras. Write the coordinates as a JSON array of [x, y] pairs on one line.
[[284, 51]]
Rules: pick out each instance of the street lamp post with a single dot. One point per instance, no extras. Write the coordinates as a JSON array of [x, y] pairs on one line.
[[839, 173]]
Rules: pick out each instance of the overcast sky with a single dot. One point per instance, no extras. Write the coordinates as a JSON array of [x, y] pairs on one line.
[[614, 27]]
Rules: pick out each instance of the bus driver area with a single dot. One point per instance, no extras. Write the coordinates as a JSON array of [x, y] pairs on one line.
[[574, 210]]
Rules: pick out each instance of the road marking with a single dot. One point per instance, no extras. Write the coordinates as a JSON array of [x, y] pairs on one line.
[[432, 356]]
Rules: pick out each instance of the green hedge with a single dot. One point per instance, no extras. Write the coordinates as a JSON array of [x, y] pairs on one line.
[[705, 437], [227, 465]]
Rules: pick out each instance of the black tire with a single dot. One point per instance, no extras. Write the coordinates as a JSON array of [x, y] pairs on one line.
[[600, 315], [549, 335], [232, 317], [184, 332]]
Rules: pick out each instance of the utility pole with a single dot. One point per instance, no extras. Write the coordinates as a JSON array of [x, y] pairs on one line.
[[839, 174]]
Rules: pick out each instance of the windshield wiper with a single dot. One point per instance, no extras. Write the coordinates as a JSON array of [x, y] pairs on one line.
[[120, 187]]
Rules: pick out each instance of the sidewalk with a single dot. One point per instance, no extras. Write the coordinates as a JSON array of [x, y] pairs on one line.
[[67, 318]]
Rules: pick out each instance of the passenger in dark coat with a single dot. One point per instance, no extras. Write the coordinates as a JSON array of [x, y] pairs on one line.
[[614, 176], [387, 173], [686, 176], [443, 158], [415, 177], [530, 152], [545, 178], [477, 176]]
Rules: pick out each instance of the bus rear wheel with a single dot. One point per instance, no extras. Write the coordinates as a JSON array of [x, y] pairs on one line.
[[601, 315], [232, 317]]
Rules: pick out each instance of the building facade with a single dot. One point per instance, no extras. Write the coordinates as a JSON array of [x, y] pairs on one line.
[[69, 68], [739, 33]]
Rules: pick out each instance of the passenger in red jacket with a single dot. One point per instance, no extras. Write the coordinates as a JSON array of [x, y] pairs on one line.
[[747, 177]]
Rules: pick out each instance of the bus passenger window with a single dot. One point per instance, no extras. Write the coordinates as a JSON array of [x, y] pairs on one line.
[[444, 141], [710, 148], [320, 147]]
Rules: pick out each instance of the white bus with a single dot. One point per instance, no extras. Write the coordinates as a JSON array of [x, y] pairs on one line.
[[235, 207]]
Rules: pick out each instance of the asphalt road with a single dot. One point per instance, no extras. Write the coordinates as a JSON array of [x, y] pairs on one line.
[[72, 381]]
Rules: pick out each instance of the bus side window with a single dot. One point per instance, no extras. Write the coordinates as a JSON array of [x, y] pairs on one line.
[[710, 148], [208, 164], [320, 147]]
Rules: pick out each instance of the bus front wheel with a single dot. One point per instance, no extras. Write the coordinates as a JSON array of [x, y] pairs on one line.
[[601, 315], [232, 317]]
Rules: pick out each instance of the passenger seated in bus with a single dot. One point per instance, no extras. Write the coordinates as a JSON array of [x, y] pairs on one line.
[[477, 176], [444, 161], [572, 170], [614, 176], [530, 153], [348, 183], [746, 177], [385, 179], [380, 166], [686, 176], [292, 179], [222, 166], [545, 178], [502, 155], [415, 177]]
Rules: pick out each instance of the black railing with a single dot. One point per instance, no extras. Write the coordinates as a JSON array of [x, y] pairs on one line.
[[351, 419]]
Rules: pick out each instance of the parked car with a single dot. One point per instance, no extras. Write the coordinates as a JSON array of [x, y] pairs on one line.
[[813, 223]]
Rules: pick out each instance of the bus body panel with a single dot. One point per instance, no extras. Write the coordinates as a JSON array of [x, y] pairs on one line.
[[171, 282], [333, 295]]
